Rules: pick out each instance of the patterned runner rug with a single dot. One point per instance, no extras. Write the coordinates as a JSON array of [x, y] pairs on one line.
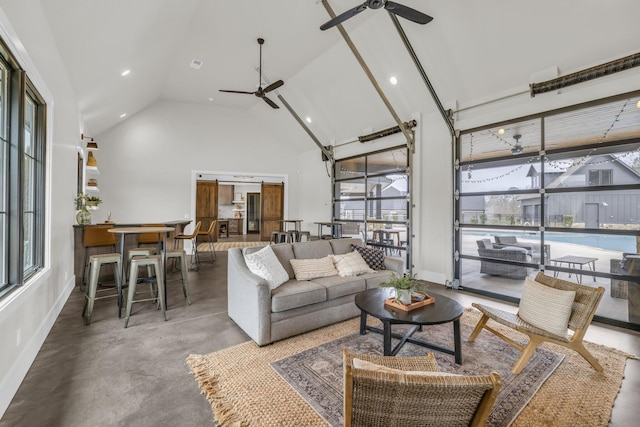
[[245, 386]]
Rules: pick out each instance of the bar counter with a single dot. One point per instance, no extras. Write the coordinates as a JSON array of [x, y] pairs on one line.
[[130, 242]]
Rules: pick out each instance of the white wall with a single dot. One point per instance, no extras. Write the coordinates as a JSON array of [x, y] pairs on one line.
[[27, 314], [146, 163]]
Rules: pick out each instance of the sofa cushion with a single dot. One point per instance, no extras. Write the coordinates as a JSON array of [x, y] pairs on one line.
[[296, 293], [312, 250], [265, 264], [343, 246], [340, 286], [306, 269], [373, 257], [350, 264], [545, 307]]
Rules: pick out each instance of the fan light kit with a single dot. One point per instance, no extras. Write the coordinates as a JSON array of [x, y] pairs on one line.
[[261, 93], [395, 8], [517, 148]]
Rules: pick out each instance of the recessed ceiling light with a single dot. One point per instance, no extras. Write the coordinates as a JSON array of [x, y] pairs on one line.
[[211, 99], [393, 80], [125, 73], [123, 115], [500, 131], [308, 119], [196, 63]]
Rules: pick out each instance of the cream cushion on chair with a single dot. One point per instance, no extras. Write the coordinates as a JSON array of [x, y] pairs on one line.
[[265, 264], [307, 269], [545, 307], [351, 264]]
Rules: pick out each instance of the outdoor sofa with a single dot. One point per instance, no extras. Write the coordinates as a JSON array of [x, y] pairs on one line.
[[486, 249], [296, 306]]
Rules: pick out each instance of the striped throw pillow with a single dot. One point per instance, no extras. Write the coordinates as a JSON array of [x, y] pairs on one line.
[[307, 269], [350, 264]]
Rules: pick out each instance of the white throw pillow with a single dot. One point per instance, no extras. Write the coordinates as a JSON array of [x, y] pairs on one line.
[[307, 269], [545, 307], [351, 264], [265, 264]]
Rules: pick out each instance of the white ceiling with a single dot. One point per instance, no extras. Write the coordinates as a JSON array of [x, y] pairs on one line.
[[470, 50]]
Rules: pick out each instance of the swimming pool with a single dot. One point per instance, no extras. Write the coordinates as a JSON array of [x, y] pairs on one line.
[[608, 242]]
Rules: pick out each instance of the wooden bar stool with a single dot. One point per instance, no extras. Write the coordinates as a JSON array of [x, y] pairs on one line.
[[95, 264], [182, 255], [154, 261]]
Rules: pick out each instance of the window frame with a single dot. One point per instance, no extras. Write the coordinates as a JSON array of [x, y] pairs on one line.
[[17, 178]]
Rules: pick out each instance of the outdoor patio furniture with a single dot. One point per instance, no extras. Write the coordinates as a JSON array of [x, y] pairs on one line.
[[510, 253], [421, 396], [584, 307], [533, 248]]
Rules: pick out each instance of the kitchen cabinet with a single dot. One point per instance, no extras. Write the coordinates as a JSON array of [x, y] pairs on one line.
[[235, 226], [225, 194]]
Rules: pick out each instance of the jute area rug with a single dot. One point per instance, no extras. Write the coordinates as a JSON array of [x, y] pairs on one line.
[[224, 246], [245, 390]]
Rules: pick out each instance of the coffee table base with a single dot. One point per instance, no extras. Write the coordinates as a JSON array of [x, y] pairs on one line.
[[387, 335]]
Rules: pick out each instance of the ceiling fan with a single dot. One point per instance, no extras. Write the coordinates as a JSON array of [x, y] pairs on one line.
[[398, 9], [261, 93], [517, 148]]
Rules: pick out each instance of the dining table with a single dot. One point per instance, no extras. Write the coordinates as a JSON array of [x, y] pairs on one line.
[[122, 232], [336, 228], [297, 227]]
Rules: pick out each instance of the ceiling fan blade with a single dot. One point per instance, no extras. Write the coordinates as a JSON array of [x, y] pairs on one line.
[[270, 102], [237, 91], [272, 86], [343, 17], [408, 13]]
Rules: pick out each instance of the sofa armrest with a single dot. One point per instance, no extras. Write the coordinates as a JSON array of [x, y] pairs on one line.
[[248, 299], [394, 264]]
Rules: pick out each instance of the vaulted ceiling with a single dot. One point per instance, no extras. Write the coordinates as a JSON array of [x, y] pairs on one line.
[[470, 50]]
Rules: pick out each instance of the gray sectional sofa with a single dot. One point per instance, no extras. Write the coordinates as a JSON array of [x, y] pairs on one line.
[[296, 306]]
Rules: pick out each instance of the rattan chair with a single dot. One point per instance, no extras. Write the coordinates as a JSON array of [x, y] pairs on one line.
[[391, 398], [584, 308]]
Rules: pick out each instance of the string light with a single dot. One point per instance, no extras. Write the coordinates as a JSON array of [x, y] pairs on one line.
[[562, 165]]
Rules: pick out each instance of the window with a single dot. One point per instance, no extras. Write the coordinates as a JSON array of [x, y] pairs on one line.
[[371, 197], [559, 191], [600, 177], [22, 175]]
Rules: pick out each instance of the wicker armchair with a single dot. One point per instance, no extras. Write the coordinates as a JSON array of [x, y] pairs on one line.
[[584, 308], [390, 397]]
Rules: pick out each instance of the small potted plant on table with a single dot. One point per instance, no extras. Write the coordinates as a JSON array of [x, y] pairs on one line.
[[404, 286]]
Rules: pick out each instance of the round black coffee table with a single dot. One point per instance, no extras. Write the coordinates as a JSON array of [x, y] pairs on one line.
[[443, 310]]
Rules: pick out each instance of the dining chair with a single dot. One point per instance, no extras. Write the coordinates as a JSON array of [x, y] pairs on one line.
[[194, 245], [209, 233]]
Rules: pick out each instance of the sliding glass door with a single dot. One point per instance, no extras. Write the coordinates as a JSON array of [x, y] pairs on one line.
[[558, 192], [371, 197]]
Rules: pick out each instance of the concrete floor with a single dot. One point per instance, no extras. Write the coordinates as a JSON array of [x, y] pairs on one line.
[[105, 375]]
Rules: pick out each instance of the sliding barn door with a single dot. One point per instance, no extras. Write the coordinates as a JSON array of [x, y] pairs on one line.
[[272, 207], [206, 205]]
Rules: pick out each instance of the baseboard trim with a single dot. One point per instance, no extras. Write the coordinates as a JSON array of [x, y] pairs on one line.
[[11, 383]]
